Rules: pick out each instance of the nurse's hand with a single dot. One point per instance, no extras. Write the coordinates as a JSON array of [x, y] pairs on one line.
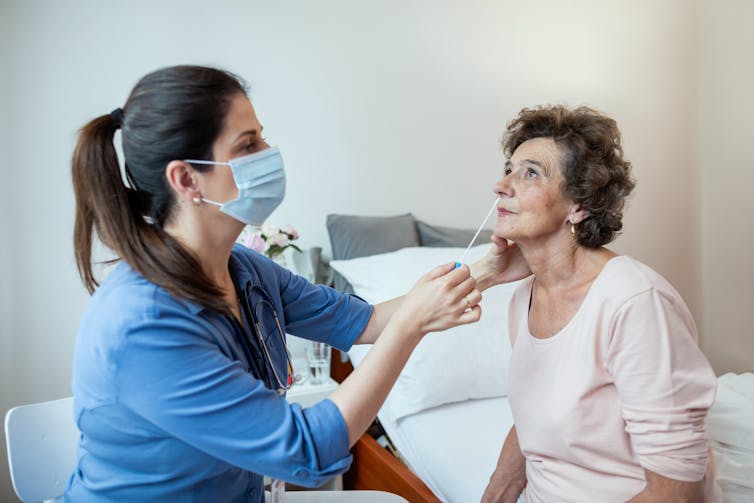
[[443, 298], [502, 264]]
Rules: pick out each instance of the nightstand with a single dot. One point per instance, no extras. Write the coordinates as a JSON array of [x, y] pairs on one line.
[[307, 394]]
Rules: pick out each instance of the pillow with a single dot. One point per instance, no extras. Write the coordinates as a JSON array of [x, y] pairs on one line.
[[730, 427], [353, 236], [434, 236], [462, 363]]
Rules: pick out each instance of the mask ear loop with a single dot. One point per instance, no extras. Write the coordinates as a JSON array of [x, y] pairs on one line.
[[210, 201], [197, 200], [208, 163]]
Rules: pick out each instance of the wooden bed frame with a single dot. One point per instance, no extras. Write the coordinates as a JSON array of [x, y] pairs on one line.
[[374, 467]]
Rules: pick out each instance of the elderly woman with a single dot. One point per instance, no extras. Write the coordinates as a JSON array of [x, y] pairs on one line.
[[608, 388]]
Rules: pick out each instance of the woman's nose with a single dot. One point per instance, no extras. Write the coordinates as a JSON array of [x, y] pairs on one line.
[[503, 187]]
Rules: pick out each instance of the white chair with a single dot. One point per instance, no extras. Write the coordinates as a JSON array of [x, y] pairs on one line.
[[41, 440], [340, 497]]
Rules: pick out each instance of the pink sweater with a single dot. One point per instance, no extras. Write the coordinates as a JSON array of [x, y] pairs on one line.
[[622, 387]]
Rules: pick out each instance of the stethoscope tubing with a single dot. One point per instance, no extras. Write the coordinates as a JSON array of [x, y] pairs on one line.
[[282, 385]]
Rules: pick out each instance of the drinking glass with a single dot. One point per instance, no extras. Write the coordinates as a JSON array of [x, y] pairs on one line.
[[318, 360]]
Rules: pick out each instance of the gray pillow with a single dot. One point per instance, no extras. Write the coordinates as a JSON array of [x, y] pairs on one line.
[[442, 237], [353, 236]]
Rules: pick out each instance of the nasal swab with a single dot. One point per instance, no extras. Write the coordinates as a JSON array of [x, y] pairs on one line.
[[460, 260]]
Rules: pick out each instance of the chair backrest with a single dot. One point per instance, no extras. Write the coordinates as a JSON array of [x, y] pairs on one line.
[[41, 441]]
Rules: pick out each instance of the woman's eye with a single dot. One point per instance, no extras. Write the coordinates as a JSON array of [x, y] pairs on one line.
[[530, 173], [256, 145], [507, 171]]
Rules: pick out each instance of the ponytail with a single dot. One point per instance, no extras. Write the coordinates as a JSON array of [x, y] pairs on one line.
[[172, 113], [105, 205], [100, 201]]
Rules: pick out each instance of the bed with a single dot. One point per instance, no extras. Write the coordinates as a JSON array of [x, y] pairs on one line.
[[447, 416]]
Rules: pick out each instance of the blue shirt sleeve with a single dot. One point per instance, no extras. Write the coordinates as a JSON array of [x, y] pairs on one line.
[[321, 313], [173, 374]]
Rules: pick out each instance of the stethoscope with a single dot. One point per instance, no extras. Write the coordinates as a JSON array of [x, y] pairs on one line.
[[283, 383]]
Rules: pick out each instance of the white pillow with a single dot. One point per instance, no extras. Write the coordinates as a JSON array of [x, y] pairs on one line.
[[730, 427], [470, 361]]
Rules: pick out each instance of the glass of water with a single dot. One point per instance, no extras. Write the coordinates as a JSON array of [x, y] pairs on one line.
[[318, 359]]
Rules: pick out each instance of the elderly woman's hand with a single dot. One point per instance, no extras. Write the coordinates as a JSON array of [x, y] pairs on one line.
[[502, 264]]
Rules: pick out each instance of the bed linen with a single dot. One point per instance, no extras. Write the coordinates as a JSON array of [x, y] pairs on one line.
[[730, 426], [452, 448]]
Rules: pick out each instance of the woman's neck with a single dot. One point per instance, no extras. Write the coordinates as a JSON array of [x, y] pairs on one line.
[[211, 245], [561, 263]]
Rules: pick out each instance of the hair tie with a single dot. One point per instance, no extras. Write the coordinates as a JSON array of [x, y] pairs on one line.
[[117, 116]]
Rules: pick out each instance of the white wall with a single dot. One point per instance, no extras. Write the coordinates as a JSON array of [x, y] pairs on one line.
[[7, 247], [7, 227], [379, 107], [726, 77]]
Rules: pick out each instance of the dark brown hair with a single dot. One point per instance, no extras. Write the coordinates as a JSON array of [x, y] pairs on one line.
[[597, 177], [172, 113]]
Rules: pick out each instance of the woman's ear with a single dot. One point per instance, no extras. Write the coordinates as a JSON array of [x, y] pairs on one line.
[[577, 214], [182, 179]]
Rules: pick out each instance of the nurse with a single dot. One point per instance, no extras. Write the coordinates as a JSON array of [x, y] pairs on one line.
[[180, 363]]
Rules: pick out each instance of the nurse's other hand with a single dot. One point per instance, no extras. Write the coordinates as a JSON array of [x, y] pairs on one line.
[[502, 264], [443, 298]]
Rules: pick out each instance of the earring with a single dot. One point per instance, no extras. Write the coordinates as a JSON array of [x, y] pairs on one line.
[[573, 229], [196, 200]]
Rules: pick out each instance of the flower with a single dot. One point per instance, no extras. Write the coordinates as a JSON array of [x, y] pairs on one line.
[[292, 233], [269, 239], [278, 239], [254, 241]]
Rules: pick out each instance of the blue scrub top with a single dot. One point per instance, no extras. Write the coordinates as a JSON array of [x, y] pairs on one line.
[[170, 400]]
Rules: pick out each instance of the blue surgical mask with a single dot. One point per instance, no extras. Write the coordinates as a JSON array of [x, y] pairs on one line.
[[260, 178]]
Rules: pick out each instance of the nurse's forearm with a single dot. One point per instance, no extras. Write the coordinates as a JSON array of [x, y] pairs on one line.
[[361, 395], [381, 314]]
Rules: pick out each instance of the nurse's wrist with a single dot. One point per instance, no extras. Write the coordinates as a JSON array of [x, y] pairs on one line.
[[407, 328]]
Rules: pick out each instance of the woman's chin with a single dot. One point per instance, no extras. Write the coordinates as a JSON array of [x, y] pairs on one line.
[[503, 232]]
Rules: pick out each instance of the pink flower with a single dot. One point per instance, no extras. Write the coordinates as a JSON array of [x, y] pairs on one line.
[[292, 233], [254, 241], [280, 239]]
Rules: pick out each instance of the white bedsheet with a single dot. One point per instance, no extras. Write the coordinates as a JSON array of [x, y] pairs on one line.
[[730, 425], [452, 448]]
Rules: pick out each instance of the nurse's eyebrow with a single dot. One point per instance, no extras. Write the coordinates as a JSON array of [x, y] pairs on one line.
[[250, 132]]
